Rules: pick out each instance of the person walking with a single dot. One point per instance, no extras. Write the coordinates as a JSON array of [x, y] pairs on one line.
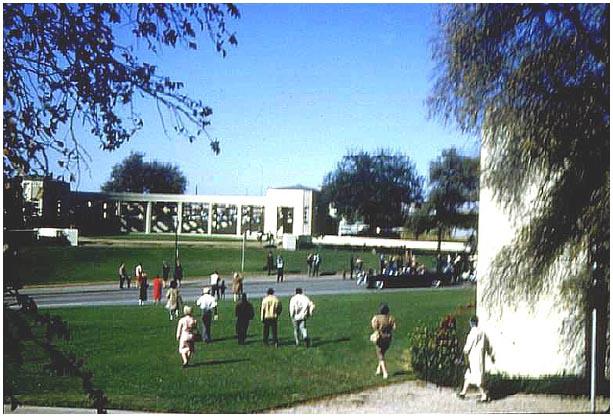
[[359, 264], [165, 273], [237, 286], [269, 262], [269, 314], [222, 290], [123, 276], [309, 262], [476, 347], [300, 309], [215, 284], [316, 263], [158, 284], [185, 335], [243, 311], [178, 273], [383, 325], [142, 291], [280, 267], [174, 300], [138, 273], [208, 307]]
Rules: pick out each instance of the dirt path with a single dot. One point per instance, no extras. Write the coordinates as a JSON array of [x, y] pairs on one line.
[[418, 397]]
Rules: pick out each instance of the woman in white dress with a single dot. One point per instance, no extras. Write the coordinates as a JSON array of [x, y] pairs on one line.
[[477, 345]]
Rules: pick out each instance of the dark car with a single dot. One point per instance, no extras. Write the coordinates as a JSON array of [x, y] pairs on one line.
[[407, 280]]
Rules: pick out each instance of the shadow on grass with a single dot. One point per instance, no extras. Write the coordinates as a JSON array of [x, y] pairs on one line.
[[316, 342], [216, 362], [221, 339], [400, 373]]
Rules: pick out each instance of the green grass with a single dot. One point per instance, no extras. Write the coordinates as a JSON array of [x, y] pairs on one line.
[[53, 265], [133, 354]]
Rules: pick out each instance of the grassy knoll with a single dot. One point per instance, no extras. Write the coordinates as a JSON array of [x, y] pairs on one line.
[[133, 354], [49, 265]]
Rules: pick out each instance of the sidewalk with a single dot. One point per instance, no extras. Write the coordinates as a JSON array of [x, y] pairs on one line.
[[419, 397], [405, 397]]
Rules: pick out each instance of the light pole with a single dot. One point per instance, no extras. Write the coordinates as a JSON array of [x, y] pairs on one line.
[[243, 252], [175, 220]]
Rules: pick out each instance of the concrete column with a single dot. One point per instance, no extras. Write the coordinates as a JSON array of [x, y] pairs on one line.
[[239, 219], [209, 226], [148, 218], [180, 216]]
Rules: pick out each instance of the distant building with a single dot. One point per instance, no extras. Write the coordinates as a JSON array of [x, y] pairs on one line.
[[284, 210], [46, 200]]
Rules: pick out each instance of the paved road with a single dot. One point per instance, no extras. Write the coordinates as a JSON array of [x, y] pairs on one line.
[[255, 287]]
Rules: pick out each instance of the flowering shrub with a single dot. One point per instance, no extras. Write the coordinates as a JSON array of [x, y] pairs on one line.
[[435, 353]]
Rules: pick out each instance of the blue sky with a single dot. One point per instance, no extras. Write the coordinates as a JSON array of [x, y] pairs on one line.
[[306, 84]]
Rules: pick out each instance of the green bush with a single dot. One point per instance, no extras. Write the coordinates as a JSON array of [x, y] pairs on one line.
[[435, 353]]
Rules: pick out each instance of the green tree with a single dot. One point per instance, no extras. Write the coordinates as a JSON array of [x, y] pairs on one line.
[[533, 79], [326, 224], [454, 191], [65, 65], [420, 221], [137, 176], [377, 189]]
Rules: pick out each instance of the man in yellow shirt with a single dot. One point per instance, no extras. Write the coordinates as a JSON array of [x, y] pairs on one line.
[[269, 314]]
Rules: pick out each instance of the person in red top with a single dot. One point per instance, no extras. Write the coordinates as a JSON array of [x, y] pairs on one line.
[[157, 289]]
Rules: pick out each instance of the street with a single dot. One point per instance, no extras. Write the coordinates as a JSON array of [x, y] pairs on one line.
[[255, 287]]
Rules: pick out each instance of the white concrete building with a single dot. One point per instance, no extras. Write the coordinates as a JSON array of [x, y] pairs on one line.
[[529, 338], [281, 211]]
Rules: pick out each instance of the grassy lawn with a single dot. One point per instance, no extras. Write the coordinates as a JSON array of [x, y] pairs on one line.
[[133, 354], [100, 263]]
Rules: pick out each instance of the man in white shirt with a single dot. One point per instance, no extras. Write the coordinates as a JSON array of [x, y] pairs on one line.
[[208, 306], [280, 266], [300, 308], [138, 273], [215, 284]]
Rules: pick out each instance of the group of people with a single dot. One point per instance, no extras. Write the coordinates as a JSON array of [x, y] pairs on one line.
[[458, 267], [218, 286], [313, 261], [278, 263], [300, 309], [406, 264], [142, 280], [476, 348]]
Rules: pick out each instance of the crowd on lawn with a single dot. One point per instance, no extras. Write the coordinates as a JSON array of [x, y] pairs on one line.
[[301, 308], [188, 332]]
